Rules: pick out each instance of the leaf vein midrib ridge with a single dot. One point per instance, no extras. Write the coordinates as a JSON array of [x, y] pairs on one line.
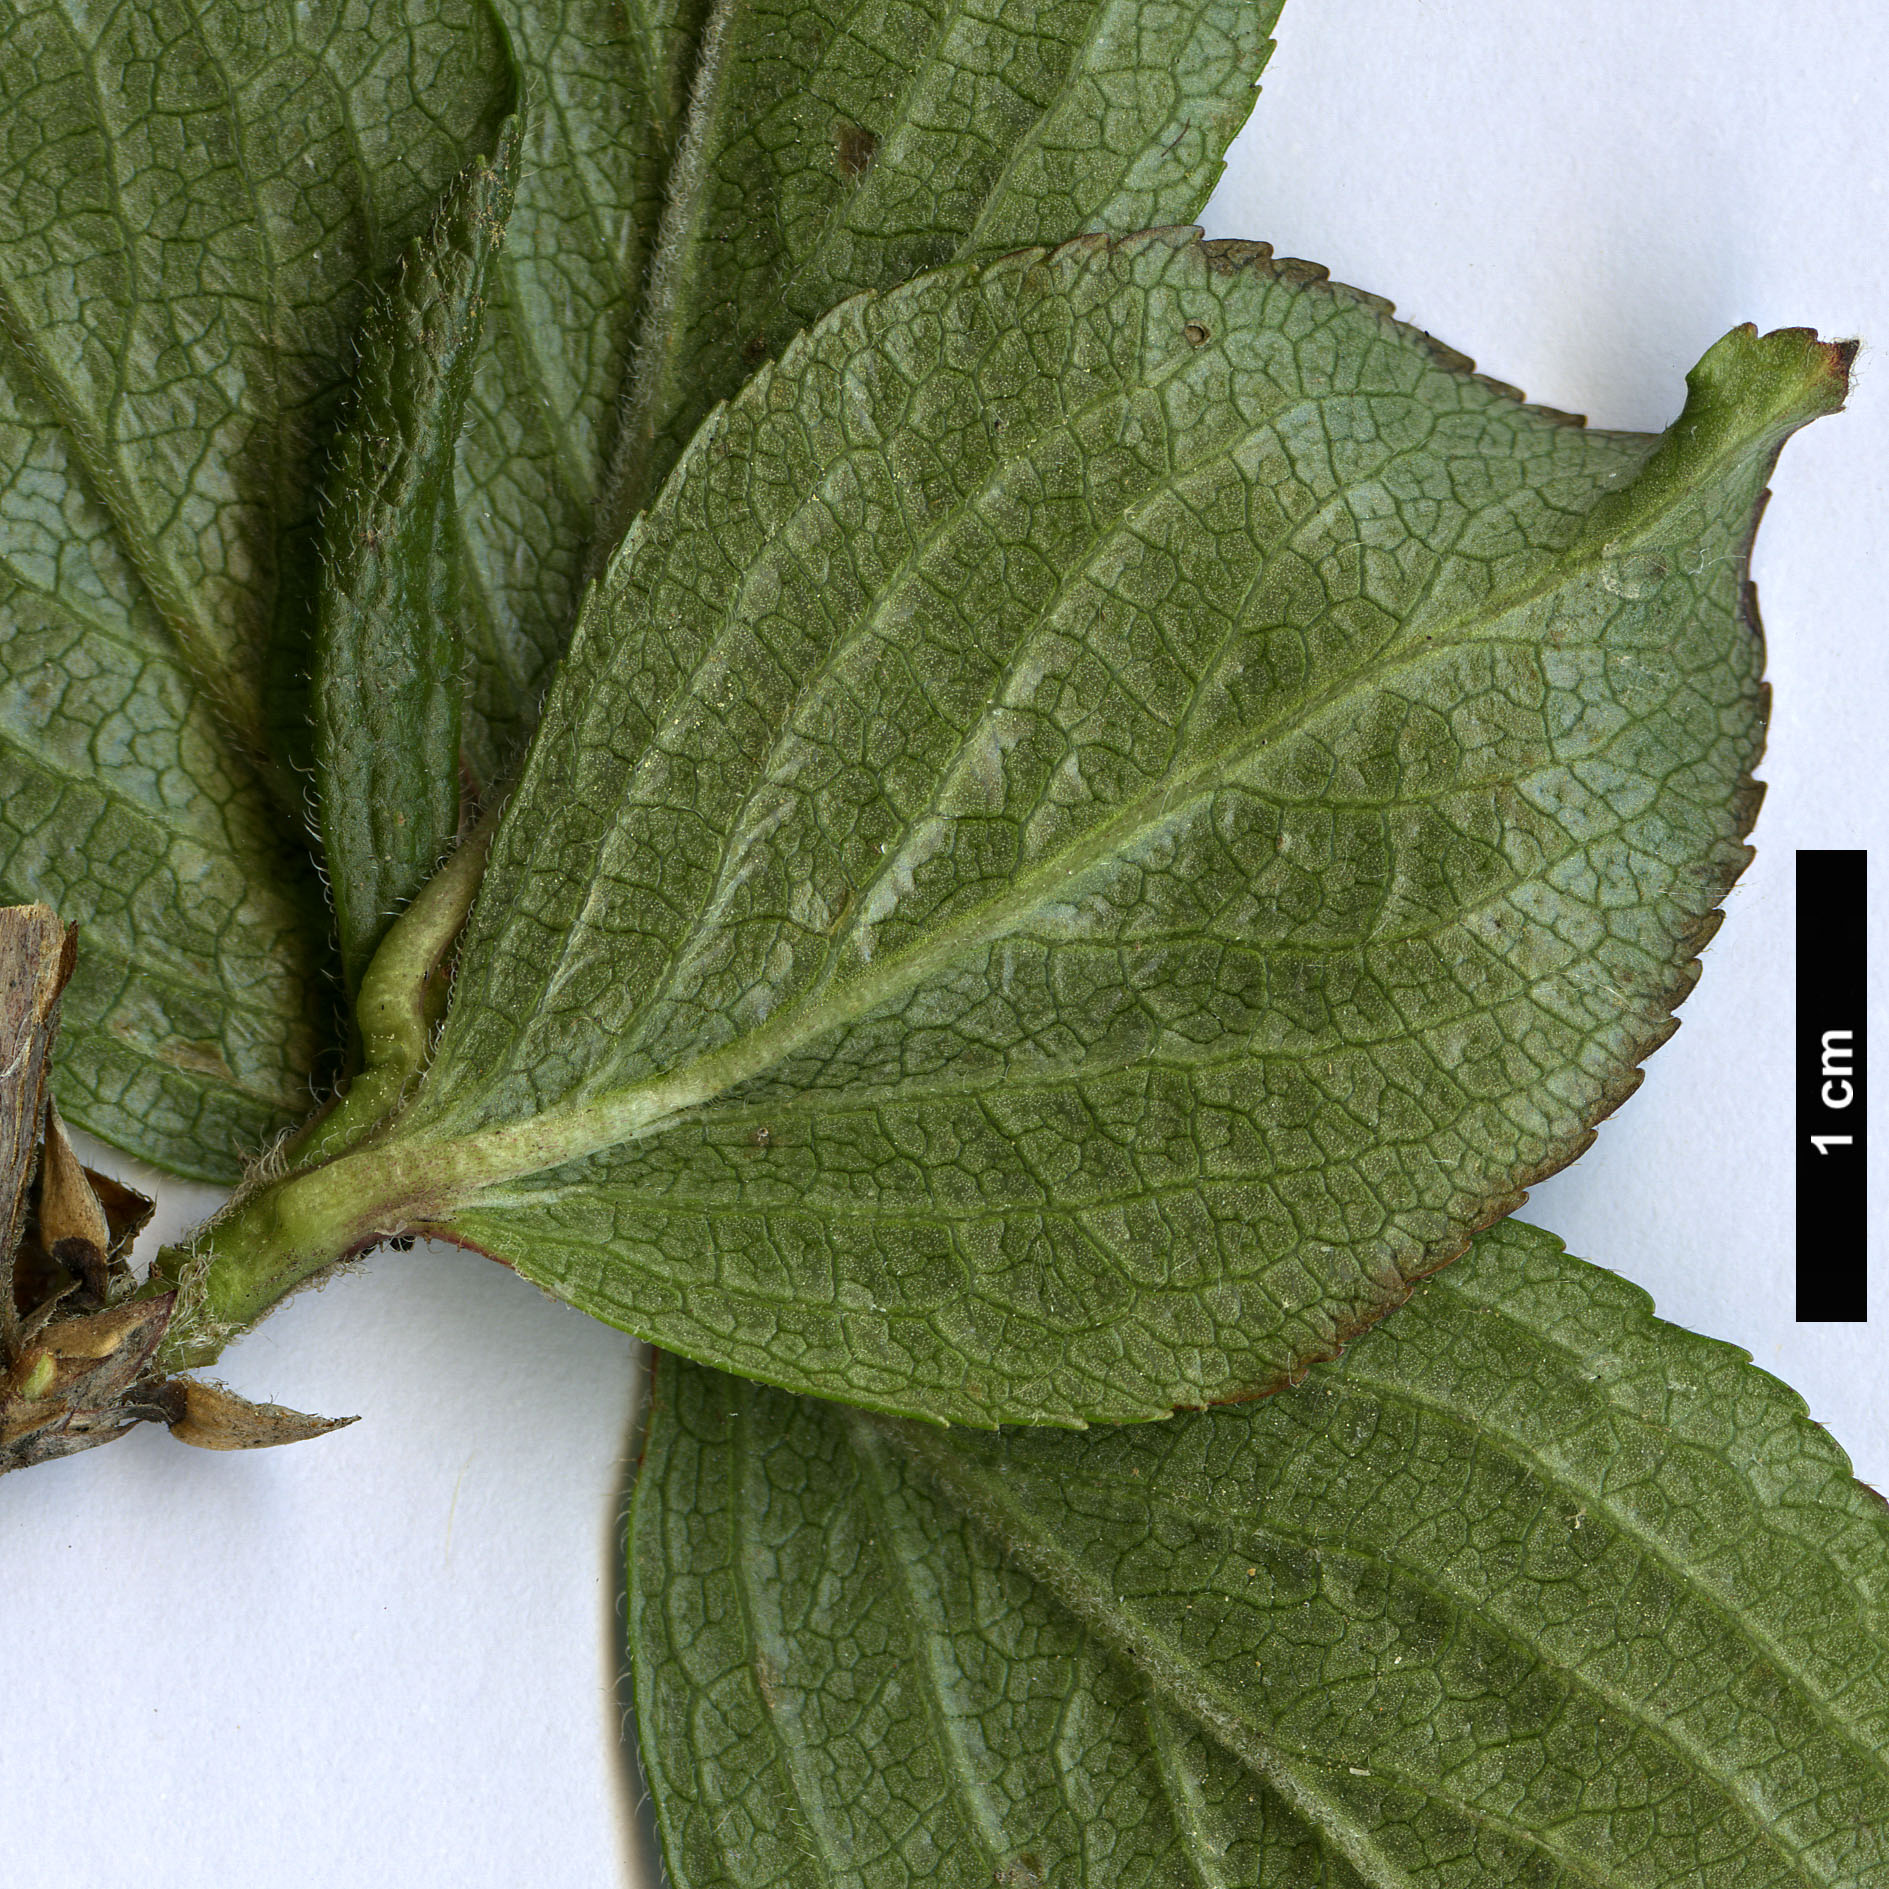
[[1694, 1582], [781, 1741], [1039, 1547], [794, 1026], [1540, 1335], [1094, 841], [1554, 1480], [1098, 841]]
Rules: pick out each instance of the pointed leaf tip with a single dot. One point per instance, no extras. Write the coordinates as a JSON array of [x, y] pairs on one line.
[[1748, 394], [1788, 375]]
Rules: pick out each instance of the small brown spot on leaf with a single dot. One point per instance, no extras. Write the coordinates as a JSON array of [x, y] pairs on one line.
[[196, 1059], [854, 148], [754, 350], [1198, 334], [767, 1678]]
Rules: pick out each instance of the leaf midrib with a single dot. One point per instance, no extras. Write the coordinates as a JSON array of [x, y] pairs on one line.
[[1566, 1478], [1165, 787], [587, 1123], [493, 1198], [1460, 1601], [1292, 718], [785, 1745], [1223, 1719], [1008, 1081], [1760, 1500], [867, 1447]]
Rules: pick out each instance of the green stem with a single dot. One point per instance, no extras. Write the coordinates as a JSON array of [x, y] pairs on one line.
[[342, 1194], [266, 1244]]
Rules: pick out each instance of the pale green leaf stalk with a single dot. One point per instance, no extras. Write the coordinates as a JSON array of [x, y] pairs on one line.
[[389, 653], [401, 1001], [1118, 808], [1530, 1588]]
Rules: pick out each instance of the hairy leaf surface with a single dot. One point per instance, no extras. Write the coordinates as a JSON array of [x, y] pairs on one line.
[[389, 651], [851, 143], [193, 1016], [191, 201], [1120, 805], [1530, 1588], [192, 204]]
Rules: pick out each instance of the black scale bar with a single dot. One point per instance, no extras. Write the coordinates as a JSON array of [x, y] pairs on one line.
[[1832, 1096]]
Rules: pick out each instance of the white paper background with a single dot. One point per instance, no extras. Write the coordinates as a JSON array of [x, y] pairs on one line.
[[383, 1658]]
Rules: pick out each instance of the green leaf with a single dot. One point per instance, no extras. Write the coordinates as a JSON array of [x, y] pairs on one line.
[[836, 147], [607, 86], [389, 657], [194, 1011], [190, 206], [1531, 1588], [1120, 805], [190, 201], [810, 167]]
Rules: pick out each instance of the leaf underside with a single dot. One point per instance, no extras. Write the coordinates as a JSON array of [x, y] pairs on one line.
[[604, 88], [1082, 112], [1119, 806], [193, 204], [389, 646], [850, 146], [1531, 1588], [190, 204]]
